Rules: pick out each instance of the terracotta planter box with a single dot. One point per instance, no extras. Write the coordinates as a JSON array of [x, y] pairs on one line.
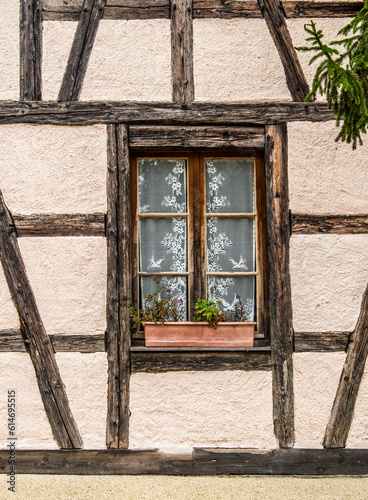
[[191, 334]]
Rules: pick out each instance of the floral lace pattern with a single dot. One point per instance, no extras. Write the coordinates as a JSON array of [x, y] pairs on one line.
[[215, 181], [176, 184], [175, 244]]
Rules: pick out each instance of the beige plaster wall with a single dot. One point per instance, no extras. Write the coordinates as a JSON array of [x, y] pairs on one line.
[[236, 60], [130, 60], [68, 278], [84, 376], [325, 177], [8, 314], [9, 50], [53, 169], [180, 410], [329, 274]]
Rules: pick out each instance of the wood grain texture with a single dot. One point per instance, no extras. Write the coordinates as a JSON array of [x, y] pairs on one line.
[[320, 341], [145, 137], [69, 10], [281, 323], [118, 285], [76, 68], [275, 20], [342, 412], [30, 41], [60, 224], [202, 461], [181, 15], [51, 386], [329, 224], [88, 113], [172, 361], [12, 341]]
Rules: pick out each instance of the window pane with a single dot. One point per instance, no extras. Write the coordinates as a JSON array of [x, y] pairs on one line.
[[162, 186], [178, 286], [230, 185], [227, 289], [230, 244], [163, 244]]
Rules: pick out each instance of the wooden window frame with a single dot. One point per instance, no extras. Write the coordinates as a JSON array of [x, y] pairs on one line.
[[197, 226]]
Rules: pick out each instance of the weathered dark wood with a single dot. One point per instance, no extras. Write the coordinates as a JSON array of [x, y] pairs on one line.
[[320, 341], [144, 137], [118, 285], [333, 224], [281, 324], [285, 461], [12, 341], [275, 20], [30, 66], [203, 461], [172, 361], [181, 14], [60, 224], [51, 386], [342, 412], [88, 113], [85, 35], [69, 10]]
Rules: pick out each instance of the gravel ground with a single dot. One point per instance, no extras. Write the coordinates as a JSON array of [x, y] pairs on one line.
[[40, 487]]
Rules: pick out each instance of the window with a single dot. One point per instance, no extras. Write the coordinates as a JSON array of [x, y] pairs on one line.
[[199, 226]]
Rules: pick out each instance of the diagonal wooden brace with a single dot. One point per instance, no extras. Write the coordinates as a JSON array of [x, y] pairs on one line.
[[51, 386]]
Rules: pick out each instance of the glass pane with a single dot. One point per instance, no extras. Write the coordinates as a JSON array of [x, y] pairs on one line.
[[162, 186], [230, 185], [178, 286], [227, 289], [230, 244], [163, 244]]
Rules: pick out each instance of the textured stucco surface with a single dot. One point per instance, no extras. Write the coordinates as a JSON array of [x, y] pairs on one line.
[[8, 314], [329, 274], [53, 169], [85, 379], [229, 65], [326, 177], [316, 377], [130, 60], [181, 410], [9, 50], [68, 278]]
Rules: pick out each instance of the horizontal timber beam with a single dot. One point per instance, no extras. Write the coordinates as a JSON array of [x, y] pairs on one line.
[[60, 224], [88, 113], [12, 341], [69, 10], [320, 341], [331, 224], [176, 137], [203, 461]]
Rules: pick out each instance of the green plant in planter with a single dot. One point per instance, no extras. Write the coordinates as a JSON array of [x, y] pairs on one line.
[[208, 311], [159, 307]]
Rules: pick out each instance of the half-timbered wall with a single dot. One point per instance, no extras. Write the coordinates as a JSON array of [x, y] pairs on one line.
[[62, 169]]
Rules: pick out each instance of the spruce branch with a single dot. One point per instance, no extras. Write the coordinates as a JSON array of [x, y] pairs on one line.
[[343, 75]]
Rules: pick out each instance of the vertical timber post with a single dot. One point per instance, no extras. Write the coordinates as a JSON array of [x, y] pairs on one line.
[[118, 285], [281, 328]]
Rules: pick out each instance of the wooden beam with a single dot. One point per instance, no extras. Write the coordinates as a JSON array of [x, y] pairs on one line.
[[89, 113], [85, 35], [281, 324], [203, 461], [342, 412], [30, 40], [118, 285], [329, 224], [69, 10], [275, 20], [12, 341], [51, 386], [160, 361], [320, 341], [60, 224], [181, 15], [145, 137]]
